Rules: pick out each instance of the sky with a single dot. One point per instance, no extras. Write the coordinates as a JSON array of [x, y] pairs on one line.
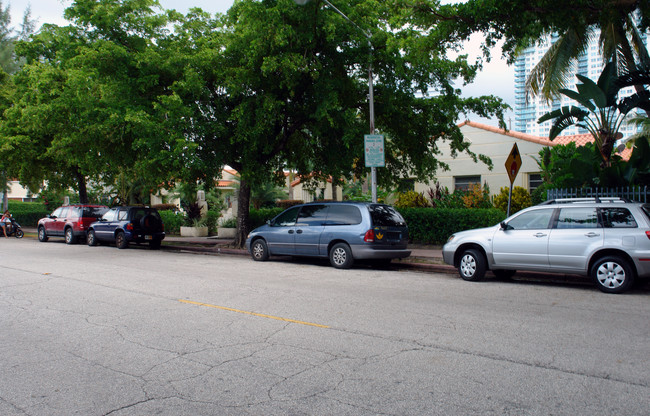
[[496, 78]]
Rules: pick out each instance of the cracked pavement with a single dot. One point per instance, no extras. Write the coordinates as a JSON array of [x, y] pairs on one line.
[[101, 331]]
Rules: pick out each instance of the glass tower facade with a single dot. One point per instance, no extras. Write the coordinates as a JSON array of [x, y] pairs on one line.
[[589, 64]]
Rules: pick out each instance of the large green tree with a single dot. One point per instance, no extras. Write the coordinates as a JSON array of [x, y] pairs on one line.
[[84, 104], [273, 84]]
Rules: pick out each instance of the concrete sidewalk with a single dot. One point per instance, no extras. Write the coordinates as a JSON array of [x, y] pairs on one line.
[[422, 257]]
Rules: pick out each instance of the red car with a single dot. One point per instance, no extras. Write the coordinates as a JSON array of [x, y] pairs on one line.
[[70, 222]]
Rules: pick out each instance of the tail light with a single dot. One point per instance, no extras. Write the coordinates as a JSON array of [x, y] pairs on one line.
[[370, 236], [647, 234], [129, 226]]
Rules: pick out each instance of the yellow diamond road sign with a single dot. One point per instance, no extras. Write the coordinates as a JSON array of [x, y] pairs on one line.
[[513, 163]]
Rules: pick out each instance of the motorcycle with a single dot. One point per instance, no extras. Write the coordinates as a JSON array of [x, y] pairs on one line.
[[13, 228]]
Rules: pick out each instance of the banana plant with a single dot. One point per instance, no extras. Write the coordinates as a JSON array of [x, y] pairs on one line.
[[600, 111]]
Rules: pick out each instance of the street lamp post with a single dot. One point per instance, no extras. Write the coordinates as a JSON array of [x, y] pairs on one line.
[[371, 97]]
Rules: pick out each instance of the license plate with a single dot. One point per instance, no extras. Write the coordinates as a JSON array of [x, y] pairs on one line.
[[148, 237]]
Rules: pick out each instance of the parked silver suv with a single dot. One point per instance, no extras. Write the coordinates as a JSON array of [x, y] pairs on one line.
[[605, 238]]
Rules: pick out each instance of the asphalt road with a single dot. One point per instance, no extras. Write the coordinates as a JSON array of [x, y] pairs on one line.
[[100, 331]]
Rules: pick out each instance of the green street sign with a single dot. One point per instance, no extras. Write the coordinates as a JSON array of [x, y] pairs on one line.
[[373, 145]]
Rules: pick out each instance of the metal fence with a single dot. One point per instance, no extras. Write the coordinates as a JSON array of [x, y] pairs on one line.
[[632, 193]]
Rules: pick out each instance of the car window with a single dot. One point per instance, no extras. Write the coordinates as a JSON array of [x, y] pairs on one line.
[[343, 215], [73, 213], [122, 215], [617, 218], [287, 218], [138, 214], [579, 217], [385, 216], [64, 212], [532, 220], [110, 215], [94, 212], [57, 212], [312, 215]]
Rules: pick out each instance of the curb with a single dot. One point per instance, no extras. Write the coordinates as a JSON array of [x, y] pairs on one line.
[[214, 249]]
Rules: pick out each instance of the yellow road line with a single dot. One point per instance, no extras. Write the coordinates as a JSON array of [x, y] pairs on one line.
[[252, 313]]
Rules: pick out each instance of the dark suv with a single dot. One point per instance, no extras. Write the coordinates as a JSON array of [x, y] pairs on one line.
[[69, 221], [342, 231], [123, 225]]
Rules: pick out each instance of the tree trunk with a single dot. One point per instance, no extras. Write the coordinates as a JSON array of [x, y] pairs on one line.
[[334, 192], [242, 214], [83, 191]]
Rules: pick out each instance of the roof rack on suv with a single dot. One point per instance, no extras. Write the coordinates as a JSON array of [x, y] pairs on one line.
[[585, 200]]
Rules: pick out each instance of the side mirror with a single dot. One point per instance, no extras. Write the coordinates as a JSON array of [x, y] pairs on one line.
[[505, 226], [268, 222]]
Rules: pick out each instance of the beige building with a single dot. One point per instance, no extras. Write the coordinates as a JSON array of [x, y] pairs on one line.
[[497, 144]]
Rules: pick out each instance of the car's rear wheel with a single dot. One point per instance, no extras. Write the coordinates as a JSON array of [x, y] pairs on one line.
[[69, 236], [259, 250], [42, 235], [612, 274], [472, 265], [91, 238], [120, 240], [341, 256]]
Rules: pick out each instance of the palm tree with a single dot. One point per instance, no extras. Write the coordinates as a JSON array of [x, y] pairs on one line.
[[601, 112], [620, 41]]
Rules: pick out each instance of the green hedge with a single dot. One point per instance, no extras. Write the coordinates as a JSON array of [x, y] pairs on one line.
[[28, 213], [172, 221], [435, 225], [258, 217]]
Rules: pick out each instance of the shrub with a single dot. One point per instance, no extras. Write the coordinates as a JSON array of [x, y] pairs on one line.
[[477, 197], [286, 203], [411, 199], [165, 207], [172, 221], [28, 213], [435, 225], [520, 199], [211, 221], [229, 223], [258, 217]]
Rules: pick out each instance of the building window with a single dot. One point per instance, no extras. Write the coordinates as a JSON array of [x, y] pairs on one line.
[[463, 182], [405, 185], [534, 181]]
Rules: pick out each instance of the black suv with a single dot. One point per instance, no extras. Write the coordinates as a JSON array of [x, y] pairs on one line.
[[123, 225]]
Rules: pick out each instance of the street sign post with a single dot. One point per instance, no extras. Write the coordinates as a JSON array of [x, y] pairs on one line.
[[513, 163], [374, 150]]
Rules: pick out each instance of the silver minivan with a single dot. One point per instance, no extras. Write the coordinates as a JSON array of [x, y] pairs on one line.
[[607, 239], [342, 231]]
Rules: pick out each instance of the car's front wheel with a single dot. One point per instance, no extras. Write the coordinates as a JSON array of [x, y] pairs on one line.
[[120, 240], [612, 274], [341, 256], [69, 236], [42, 235], [259, 250], [472, 265], [91, 238]]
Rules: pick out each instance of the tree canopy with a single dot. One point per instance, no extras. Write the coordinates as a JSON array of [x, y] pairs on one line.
[[128, 87]]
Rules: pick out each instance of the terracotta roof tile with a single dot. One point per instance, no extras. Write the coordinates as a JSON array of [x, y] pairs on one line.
[[578, 139]]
